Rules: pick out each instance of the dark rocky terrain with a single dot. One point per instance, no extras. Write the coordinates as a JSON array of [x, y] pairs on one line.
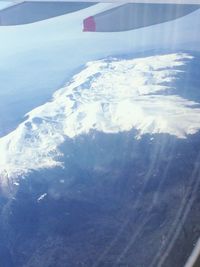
[[119, 202]]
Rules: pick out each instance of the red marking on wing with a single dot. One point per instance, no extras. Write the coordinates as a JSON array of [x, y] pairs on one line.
[[89, 25]]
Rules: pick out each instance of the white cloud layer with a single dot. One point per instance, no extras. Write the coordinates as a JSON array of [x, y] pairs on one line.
[[110, 96]]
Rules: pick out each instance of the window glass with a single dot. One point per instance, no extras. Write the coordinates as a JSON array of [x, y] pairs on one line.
[[99, 134]]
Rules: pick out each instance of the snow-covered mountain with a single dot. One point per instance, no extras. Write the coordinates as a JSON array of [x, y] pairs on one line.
[[110, 96], [41, 56]]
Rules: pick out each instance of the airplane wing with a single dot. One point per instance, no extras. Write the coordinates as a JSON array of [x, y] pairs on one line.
[[133, 16], [28, 12], [121, 15]]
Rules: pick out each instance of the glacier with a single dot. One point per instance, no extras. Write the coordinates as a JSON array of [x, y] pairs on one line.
[[110, 96]]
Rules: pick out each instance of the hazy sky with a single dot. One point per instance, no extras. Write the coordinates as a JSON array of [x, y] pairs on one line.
[[3, 4]]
